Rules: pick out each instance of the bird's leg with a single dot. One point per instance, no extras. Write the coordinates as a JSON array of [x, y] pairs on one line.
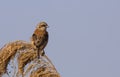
[[43, 53], [38, 53]]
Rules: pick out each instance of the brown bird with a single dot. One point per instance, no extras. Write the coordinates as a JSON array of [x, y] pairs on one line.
[[40, 38]]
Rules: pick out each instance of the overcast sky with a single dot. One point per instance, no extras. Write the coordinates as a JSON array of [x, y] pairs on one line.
[[84, 34]]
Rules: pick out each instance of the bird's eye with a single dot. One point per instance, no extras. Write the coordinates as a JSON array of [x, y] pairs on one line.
[[43, 25]]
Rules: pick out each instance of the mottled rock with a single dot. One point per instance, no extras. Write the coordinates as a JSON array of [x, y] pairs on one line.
[[19, 59]]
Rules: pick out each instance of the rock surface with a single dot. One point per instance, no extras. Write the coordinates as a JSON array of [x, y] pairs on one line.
[[19, 59]]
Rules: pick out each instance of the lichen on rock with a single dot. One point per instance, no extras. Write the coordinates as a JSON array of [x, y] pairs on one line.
[[19, 59]]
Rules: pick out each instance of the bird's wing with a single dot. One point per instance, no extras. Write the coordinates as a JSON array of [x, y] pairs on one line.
[[34, 37], [44, 40]]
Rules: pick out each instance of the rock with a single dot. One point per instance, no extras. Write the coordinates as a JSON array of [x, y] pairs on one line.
[[19, 59]]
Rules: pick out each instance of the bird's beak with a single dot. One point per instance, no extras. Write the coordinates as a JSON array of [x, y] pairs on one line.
[[47, 26]]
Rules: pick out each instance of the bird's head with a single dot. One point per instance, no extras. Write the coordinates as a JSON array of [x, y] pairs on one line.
[[42, 26]]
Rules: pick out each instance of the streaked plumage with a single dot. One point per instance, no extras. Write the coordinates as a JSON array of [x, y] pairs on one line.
[[40, 38]]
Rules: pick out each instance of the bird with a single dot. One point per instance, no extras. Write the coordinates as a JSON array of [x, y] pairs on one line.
[[40, 38]]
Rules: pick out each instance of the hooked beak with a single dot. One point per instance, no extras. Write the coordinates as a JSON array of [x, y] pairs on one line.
[[47, 26]]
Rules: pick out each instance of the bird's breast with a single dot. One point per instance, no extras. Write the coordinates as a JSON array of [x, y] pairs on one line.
[[39, 32]]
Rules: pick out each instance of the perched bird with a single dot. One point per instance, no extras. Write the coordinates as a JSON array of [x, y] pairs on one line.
[[40, 38]]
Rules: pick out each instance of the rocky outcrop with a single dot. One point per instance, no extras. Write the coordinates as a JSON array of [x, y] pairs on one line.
[[19, 59]]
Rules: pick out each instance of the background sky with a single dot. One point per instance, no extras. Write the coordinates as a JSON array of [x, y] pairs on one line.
[[84, 34]]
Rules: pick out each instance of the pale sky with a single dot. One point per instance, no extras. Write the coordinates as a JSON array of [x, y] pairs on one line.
[[84, 34]]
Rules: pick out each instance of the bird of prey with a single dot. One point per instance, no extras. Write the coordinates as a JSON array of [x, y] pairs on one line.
[[40, 38]]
